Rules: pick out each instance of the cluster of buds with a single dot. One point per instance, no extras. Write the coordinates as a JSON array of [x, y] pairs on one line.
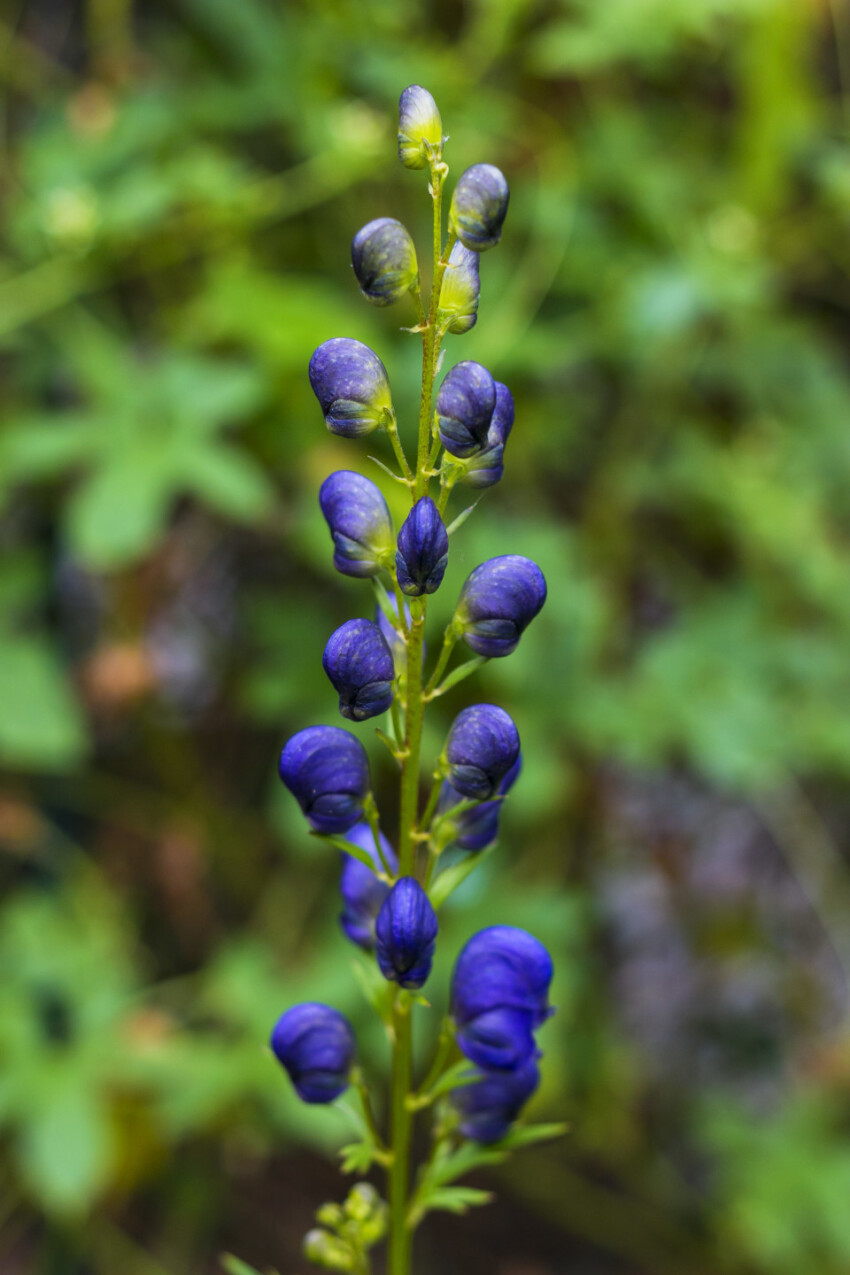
[[390, 894]]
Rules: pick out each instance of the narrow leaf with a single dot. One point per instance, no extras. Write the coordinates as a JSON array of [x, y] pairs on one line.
[[455, 1199], [348, 847], [458, 522], [525, 1135], [450, 878]]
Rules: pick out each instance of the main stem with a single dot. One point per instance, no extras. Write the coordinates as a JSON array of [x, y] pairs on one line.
[[401, 1117], [400, 1130]]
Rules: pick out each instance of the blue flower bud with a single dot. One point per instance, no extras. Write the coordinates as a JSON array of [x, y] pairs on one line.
[[482, 746], [489, 1106], [420, 129], [359, 523], [351, 384], [478, 827], [485, 468], [501, 1039], [405, 932], [327, 771], [384, 260], [362, 892], [498, 601], [423, 550], [502, 968], [500, 988], [360, 666], [478, 207], [316, 1045], [459, 291], [465, 405]]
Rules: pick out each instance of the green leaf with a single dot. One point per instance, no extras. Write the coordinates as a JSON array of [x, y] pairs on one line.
[[118, 513], [450, 878], [357, 1157], [230, 482], [348, 847], [235, 1266], [455, 1077], [454, 1199], [526, 1135], [41, 724], [67, 1147], [375, 988]]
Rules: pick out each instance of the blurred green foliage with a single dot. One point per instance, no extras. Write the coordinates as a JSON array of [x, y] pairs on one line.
[[669, 305]]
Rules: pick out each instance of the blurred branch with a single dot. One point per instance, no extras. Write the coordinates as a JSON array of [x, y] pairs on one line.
[[26, 68], [800, 833]]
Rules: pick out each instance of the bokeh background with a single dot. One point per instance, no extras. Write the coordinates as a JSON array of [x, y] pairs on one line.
[[180, 183]]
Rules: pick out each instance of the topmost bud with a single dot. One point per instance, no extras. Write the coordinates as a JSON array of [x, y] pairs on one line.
[[420, 129]]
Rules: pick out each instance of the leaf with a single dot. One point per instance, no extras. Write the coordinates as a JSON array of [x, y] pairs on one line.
[[348, 847], [357, 1157], [526, 1135], [118, 513], [235, 1266], [230, 481], [67, 1147], [455, 1077], [41, 724], [454, 1199], [458, 522], [450, 878], [375, 988]]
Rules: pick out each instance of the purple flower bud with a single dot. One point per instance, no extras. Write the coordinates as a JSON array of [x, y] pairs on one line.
[[485, 468], [350, 382], [423, 550], [362, 892], [420, 129], [327, 771], [459, 291], [316, 1045], [478, 207], [405, 932], [465, 405], [478, 827], [501, 1039], [502, 968], [359, 523], [482, 746], [360, 666], [384, 260], [498, 601], [489, 1106]]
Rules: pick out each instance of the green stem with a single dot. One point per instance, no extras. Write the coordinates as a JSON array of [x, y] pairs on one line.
[[400, 1130], [449, 640], [431, 805], [408, 818], [391, 426], [431, 335], [438, 1066]]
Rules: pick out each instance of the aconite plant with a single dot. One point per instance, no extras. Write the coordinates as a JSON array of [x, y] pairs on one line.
[[485, 1054]]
